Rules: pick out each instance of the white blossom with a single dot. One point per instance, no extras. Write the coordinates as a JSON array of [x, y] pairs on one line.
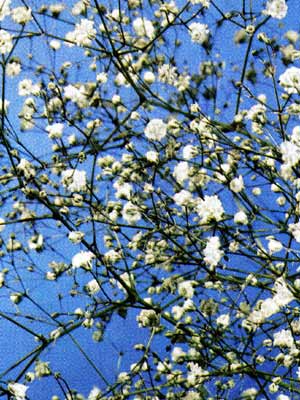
[[156, 129], [237, 184], [144, 27], [83, 34], [18, 390], [276, 9], [181, 171], [83, 259], [212, 252], [74, 180], [199, 32], [183, 198], [131, 213], [241, 218], [6, 43], [290, 80], [210, 208]]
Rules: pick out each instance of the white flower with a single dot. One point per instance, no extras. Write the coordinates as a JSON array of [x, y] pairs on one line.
[[199, 32], [131, 213], [241, 218], [55, 130], [210, 209], [283, 338], [2, 224], [276, 9], [74, 180], [283, 396], [83, 33], [183, 198], [83, 259], [92, 287], [5, 42], [189, 152], [167, 74], [186, 289], [156, 129], [290, 153], [177, 354], [112, 256], [237, 184], [149, 77], [13, 68], [26, 87], [36, 242], [212, 252], [181, 171], [205, 3], [76, 237], [17, 390], [274, 245], [223, 320], [295, 231], [26, 168], [4, 9], [290, 80], [152, 156], [94, 394], [21, 15], [123, 190], [144, 27]]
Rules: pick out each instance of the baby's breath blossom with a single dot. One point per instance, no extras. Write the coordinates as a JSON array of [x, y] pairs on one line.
[[210, 208], [223, 320], [156, 129], [212, 252], [6, 43], [74, 180], [144, 27], [183, 198], [186, 289], [241, 218], [76, 237], [92, 287], [21, 15], [276, 9], [181, 171], [83, 259], [199, 32], [237, 184], [4, 9], [83, 34], [131, 213], [189, 151], [290, 80], [55, 131], [18, 390], [13, 68]]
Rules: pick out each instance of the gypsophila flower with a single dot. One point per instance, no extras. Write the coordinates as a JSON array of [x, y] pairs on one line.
[[21, 15], [74, 180], [95, 394], [183, 198], [186, 289], [144, 27], [181, 171], [199, 32], [210, 208], [83, 34], [223, 320], [283, 338], [4, 9], [13, 68], [17, 390], [212, 252], [131, 213], [276, 9], [290, 80], [76, 237], [156, 129], [189, 152], [241, 218], [55, 131], [237, 184], [83, 259], [6, 43], [92, 287]]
